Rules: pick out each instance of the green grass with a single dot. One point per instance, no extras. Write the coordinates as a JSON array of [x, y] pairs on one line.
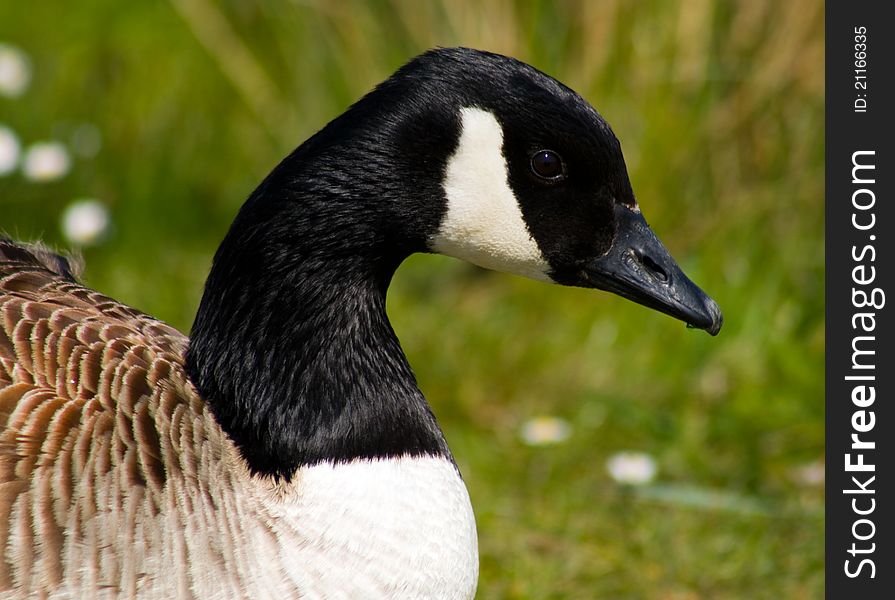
[[719, 107]]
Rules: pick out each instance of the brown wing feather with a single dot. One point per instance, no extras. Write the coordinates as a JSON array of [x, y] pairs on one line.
[[96, 418]]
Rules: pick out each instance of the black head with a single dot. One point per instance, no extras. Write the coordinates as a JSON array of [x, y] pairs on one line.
[[534, 182]]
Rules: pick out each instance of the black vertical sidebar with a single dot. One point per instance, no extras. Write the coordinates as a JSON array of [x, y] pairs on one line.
[[860, 366]]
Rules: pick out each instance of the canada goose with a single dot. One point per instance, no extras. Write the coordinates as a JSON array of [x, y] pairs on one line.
[[284, 448]]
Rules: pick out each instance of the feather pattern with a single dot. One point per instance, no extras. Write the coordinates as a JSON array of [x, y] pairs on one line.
[[100, 425], [116, 479]]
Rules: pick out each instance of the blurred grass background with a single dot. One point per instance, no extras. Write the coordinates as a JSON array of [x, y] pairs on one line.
[[719, 107]]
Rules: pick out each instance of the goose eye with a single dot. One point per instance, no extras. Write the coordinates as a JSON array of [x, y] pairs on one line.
[[547, 164]]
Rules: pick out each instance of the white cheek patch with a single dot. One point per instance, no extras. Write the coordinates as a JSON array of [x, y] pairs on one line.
[[483, 223]]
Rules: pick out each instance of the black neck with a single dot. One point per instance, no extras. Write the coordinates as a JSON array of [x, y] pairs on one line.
[[303, 367], [291, 346], [293, 350]]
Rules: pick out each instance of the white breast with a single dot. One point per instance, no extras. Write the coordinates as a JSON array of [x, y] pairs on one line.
[[370, 529], [393, 528]]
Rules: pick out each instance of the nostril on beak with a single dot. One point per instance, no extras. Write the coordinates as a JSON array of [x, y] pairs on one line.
[[652, 266]]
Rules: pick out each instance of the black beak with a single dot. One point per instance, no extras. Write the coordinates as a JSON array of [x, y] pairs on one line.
[[639, 268]]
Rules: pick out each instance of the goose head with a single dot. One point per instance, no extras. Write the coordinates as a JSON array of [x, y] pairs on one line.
[[536, 184], [484, 158], [461, 152]]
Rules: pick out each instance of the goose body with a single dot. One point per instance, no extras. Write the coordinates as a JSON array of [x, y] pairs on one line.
[[284, 449], [116, 478]]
